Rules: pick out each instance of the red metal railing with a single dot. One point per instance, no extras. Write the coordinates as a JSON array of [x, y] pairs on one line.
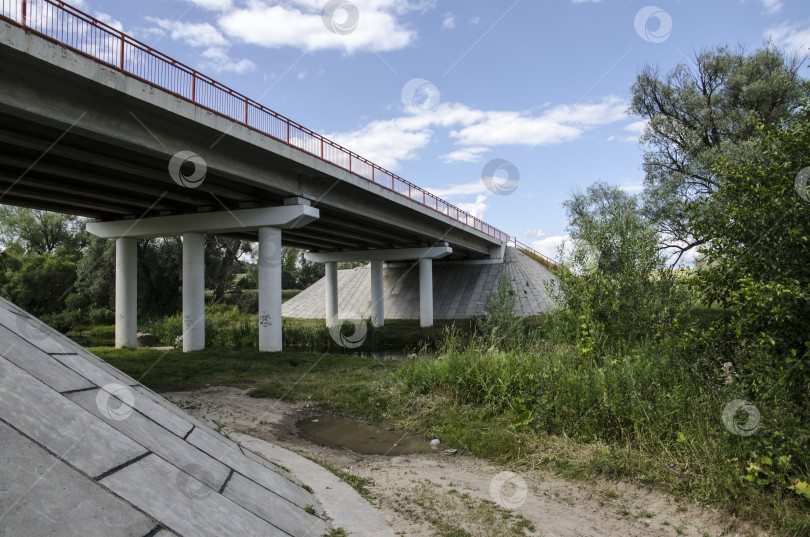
[[534, 254], [74, 29]]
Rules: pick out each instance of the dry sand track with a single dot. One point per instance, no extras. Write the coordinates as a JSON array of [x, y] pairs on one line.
[[434, 494]]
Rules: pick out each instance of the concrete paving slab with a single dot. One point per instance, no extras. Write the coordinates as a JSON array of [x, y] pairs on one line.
[[62, 426], [36, 332], [40, 364], [232, 457], [91, 367], [187, 506], [147, 405], [160, 441], [41, 495], [342, 504], [273, 508]]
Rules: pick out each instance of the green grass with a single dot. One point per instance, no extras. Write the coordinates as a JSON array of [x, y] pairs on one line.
[[646, 417]]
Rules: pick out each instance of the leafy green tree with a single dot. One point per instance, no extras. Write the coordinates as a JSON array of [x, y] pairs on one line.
[[160, 263], [41, 232], [614, 289], [42, 282], [759, 259], [701, 112]]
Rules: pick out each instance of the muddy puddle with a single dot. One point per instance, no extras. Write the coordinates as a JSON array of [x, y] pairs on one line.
[[335, 432]]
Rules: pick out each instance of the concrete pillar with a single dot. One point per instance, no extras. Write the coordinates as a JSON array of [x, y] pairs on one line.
[[331, 294], [377, 291], [425, 292], [193, 292], [126, 293], [269, 289]]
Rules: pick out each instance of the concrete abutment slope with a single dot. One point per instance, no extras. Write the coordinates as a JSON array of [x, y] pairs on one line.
[[460, 291], [88, 451]]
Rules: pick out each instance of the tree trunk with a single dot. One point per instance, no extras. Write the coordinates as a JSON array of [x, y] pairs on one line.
[[231, 254]]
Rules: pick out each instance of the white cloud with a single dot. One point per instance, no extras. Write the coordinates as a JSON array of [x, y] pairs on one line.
[[538, 233], [791, 37], [212, 5], [559, 124], [109, 20], [192, 33], [637, 126], [771, 6], [218, 61], [299, 23], [464, 189], [388, 142], [632, 186], [475, 20], [449, 21], [478, 208], [549, 246], [465, 154]]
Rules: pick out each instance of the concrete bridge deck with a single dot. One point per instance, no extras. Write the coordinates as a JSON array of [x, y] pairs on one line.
[[95, 123]]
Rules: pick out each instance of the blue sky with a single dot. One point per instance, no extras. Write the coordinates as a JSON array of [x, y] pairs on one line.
[[435, 90]]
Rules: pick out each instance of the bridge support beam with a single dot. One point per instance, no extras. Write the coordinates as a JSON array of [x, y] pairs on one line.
[[377, 294], [270, 289], [126, 293], [331, 294], [193, 292], [425, 292], [424, 255]]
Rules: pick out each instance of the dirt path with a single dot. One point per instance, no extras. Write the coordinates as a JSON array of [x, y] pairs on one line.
[[460, 496]]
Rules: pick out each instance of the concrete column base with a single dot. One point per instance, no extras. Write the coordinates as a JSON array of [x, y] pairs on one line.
[[331, 294], [425, 292], [193, 292], [377, 294], [270, 336], [126, 293]]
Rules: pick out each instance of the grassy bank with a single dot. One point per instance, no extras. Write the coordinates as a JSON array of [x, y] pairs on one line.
[[650, 421]]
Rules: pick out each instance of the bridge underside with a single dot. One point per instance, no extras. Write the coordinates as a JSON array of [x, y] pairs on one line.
[[80, 137]]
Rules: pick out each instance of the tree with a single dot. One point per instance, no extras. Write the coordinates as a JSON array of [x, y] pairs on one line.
[[698, 113], [759, 260], [614, 288], [41, 232], [227, 251]]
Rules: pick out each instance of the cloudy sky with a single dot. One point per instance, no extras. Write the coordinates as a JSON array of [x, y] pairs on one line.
[[442, 92]]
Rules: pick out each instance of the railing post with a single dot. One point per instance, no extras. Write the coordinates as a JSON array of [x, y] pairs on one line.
[[24, 14], [246, 112], [194, 87], [123, 44]]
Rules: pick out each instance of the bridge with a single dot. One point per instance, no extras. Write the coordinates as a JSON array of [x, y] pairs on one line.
[[97, 124]]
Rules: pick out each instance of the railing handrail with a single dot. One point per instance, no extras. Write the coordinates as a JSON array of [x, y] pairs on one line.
[[203, 85]]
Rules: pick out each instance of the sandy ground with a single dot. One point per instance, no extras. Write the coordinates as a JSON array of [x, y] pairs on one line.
[[437, 494]]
